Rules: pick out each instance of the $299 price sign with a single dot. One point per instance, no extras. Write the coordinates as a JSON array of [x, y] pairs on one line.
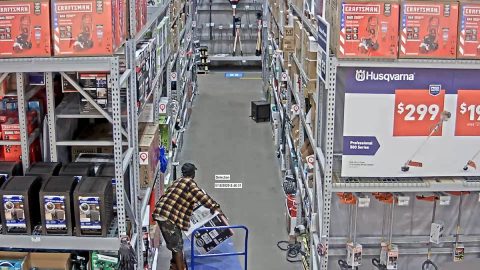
[[468, 113], [417, 112]]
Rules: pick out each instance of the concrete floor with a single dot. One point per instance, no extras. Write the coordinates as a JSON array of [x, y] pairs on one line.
[[222, 139]]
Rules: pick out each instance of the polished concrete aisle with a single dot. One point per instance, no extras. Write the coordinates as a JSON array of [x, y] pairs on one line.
[[222, 139]]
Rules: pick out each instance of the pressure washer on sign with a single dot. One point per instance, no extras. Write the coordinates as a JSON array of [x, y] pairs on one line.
[[22, 41]]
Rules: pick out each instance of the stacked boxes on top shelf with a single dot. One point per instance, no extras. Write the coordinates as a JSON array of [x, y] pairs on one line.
[[88, 27], [25, 28], [43, 28], [365, 29], [392, 29], [429, 29], [469, 30]]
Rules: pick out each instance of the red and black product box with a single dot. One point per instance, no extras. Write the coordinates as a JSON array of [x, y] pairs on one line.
[[469, 31], [368, 29], [429, 29], [25, 28], [88, 27]]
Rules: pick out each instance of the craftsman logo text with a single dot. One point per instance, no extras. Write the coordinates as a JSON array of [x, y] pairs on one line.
[[471, 11], [421, 9], [23, 9], [363, 9], [74, 7]]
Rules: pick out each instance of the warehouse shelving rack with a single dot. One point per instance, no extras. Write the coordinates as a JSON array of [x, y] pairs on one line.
[[123, 117], [323, 245]]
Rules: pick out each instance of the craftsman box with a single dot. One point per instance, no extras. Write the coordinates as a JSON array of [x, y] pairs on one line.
[[88, 27], [429, 29], [25, 28], [365, 29], [469, 30]]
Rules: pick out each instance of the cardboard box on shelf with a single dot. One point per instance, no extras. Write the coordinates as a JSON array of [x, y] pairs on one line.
[[20, 260], [88, 27], [148, 154], [52, 261], [429, 29], [469, 30], [25, 28], [365, 29], [298, 32]]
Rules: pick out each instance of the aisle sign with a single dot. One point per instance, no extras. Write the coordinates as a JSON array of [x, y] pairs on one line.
[[403, 122], [323, 40], [284, 77], [173, 76], [162, 107], [143, 158]]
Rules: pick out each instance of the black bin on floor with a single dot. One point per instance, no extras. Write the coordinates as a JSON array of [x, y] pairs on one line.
[[260, 111]]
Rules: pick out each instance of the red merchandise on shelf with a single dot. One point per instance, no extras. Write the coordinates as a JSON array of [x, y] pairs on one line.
[[429, 29], [368, 29], [141, 14], [25, 28], [88, 27], [469, 31]]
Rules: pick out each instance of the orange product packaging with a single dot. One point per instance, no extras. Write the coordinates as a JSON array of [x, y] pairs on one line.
[[469, 31], [368, 29], [141, 14], [88, 27], [25, 28], [429, 29]]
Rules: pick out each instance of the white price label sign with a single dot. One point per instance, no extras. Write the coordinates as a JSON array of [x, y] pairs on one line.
[[284, 76], [173, 76], [143, 158], [194, 24]]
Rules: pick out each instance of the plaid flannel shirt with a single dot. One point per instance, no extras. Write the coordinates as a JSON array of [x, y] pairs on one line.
[[178, 202]]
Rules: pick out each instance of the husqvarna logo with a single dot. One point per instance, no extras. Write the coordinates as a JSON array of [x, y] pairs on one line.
[[362, 75]]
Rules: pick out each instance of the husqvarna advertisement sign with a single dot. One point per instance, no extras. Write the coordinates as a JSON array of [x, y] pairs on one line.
[[410, 122]]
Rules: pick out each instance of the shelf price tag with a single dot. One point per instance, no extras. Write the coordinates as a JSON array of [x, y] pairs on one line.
[[468, 113], [417, 112]]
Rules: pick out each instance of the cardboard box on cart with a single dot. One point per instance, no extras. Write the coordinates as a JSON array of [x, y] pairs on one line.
[[429, 29], [469, 30], [25, 28], [88, 27], [365, 29]]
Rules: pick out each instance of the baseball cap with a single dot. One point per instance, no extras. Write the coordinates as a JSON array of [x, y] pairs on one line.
[[188, 169]]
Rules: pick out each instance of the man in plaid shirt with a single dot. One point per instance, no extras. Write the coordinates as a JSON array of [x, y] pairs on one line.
[[174, 209]]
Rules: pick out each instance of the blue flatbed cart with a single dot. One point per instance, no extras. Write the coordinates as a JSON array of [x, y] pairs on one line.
[[222, 257]]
